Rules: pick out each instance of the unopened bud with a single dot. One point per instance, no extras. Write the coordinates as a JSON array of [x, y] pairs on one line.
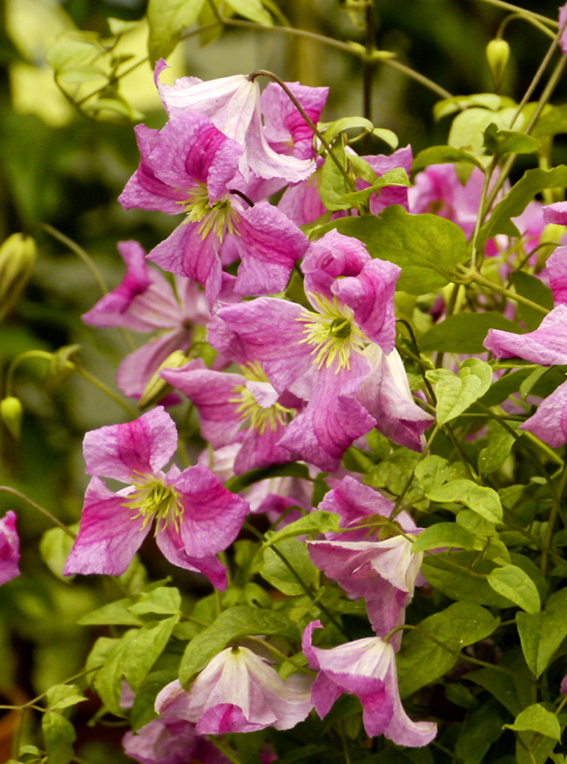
[[17, 256], [11, 412], [61, 367], [497, 54], [157, 388]]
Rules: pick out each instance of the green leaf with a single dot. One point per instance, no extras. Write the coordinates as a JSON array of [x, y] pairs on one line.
[[443, 535], [465, 332], [513, 690], [253, 10], [500, 443], [143, 711], [500, 142], [388, 136], [315, 522], [240, 482], [167, 19], [276, 572], [460, 583], [536, 718], [481, 499], [541, 634], [426, 247], [54, 549], [482, 728], [396, 177], [458, 103], [506, 386], [456, 393], [333, 184], [108, 681], [468, 127], [512, 582], [422, 661], [535, 290], [432, 472], [165, 600], [552, 122], [59, 736], [230, 626], [531, 380], [62, 696], [443, 155], [332, 129], [144, 649], [516, 201], [115, 613]]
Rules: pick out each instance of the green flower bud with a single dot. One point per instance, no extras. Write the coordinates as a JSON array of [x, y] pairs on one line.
[[17, 256], [157, 388], [11, 412], [497, 53], [61, 367]]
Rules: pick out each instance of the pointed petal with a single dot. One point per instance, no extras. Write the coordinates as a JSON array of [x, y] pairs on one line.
[[546, 345]]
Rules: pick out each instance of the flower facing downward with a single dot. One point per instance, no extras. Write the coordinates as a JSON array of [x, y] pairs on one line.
[[195, 516], [238, 691], [366, 668]]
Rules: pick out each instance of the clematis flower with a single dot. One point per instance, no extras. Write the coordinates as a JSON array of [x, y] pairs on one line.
[[545, 346], [170, 741], [238, 691], [9, 548], [366, 668], [188, 167], [322, 356], [371, 562], [235, 108], [244, 405], [146, 302], [195, 516]]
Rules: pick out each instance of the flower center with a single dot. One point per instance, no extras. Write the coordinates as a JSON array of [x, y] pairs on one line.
[[333, 333], [218, 217], [255, 403], [151, 498]]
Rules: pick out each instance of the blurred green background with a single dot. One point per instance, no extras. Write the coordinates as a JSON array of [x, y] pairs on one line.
[[61, 169]]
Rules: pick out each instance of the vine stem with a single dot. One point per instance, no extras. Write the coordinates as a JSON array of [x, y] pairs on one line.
[[80, 252], [471, 275], [521, 11], [398, 505], [280, 655], [105, 389], [351, 48], [47, 513], [16, 362], [223, 749]]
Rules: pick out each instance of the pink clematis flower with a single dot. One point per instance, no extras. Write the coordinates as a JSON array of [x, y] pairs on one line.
[[195, 516], [325, 356], [366, 668], [238, 691], [238, 405], [9, 548], [188, 167], [170, 741], [146, 302], [234, 105], [371, 562]]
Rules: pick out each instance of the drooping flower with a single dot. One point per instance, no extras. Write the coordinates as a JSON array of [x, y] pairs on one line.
[[188, 167], [170, 741], [195, 516], [373, 561], [238, 691], [366, 668], [9, 548], [323, 356], [244, 405], [146, 302], [544, 346], [234, 106]]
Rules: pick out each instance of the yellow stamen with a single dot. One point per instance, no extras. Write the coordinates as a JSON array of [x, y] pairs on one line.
[[218, 217], [259, 417], [152, 498]]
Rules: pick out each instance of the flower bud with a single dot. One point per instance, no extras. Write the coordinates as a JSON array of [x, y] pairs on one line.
[[17, 256], [157, 388], [497, 53], [11, 412], [61, 367]]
